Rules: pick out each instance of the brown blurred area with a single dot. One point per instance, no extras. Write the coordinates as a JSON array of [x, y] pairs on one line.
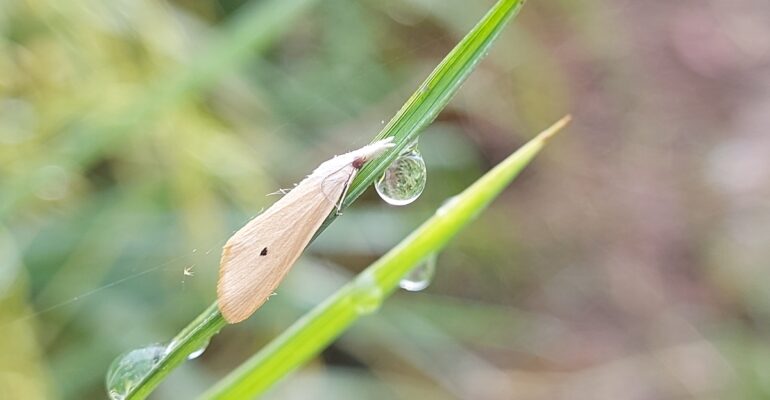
[[656, 203], [629, 261]]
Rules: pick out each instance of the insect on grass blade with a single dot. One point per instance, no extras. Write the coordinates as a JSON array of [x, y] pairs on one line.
[[257, 257]]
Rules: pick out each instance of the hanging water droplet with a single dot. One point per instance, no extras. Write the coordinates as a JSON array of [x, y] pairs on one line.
[[197, 353], [130, 367], [367, 296], [404, 180], [420, 277], [194, 354]]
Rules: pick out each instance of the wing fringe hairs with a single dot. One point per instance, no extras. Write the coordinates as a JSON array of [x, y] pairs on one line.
[[257, 257]]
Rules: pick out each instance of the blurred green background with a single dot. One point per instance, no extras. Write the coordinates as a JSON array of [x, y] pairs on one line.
[[629, 261]]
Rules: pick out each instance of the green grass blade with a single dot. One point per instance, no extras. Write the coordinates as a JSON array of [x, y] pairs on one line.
[[421, 108], [191, 338], [318, 328], [436, 91]]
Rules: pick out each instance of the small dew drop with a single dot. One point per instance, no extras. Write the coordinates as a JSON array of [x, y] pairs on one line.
[[367, 296], [447, 205], [404, 180], [420, 277], [197, 353], [130, 367]]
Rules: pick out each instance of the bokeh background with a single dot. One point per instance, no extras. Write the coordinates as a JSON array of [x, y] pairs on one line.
[[629, 261]]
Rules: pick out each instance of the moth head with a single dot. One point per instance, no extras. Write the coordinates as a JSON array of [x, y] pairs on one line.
[[372, 151], [358, 162]]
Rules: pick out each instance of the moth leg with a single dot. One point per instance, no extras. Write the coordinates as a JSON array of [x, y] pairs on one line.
[[345, 192]]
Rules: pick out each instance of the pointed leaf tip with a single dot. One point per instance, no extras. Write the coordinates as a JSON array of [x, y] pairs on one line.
[[552, 130]]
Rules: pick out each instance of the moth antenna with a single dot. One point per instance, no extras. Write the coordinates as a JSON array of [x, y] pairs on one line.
[[279, 192]]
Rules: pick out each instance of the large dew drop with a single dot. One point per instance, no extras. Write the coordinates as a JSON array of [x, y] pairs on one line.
[[420, 277], [130, 367], [404, 180]]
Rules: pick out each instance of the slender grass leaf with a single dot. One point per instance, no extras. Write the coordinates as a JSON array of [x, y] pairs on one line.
[[421, 108], [318, 328]]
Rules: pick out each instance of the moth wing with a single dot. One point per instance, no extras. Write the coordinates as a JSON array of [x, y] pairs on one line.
[[257, 257]]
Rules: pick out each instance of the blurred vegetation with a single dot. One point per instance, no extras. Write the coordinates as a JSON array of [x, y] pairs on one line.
[[630, 262]]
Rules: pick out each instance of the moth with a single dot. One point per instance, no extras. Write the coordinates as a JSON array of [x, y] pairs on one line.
[[257, 257]]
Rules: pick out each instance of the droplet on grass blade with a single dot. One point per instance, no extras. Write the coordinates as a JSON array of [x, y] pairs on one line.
[[197, 353], [421, 276], [367, 296], [128, 369], [447, 205], [404, 179]]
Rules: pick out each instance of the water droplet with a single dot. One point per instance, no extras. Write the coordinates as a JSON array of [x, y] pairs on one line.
[[197, 353], [447, 205], [404, 180], [420, 277], [130, 367], [194, 354], [367, 296]]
